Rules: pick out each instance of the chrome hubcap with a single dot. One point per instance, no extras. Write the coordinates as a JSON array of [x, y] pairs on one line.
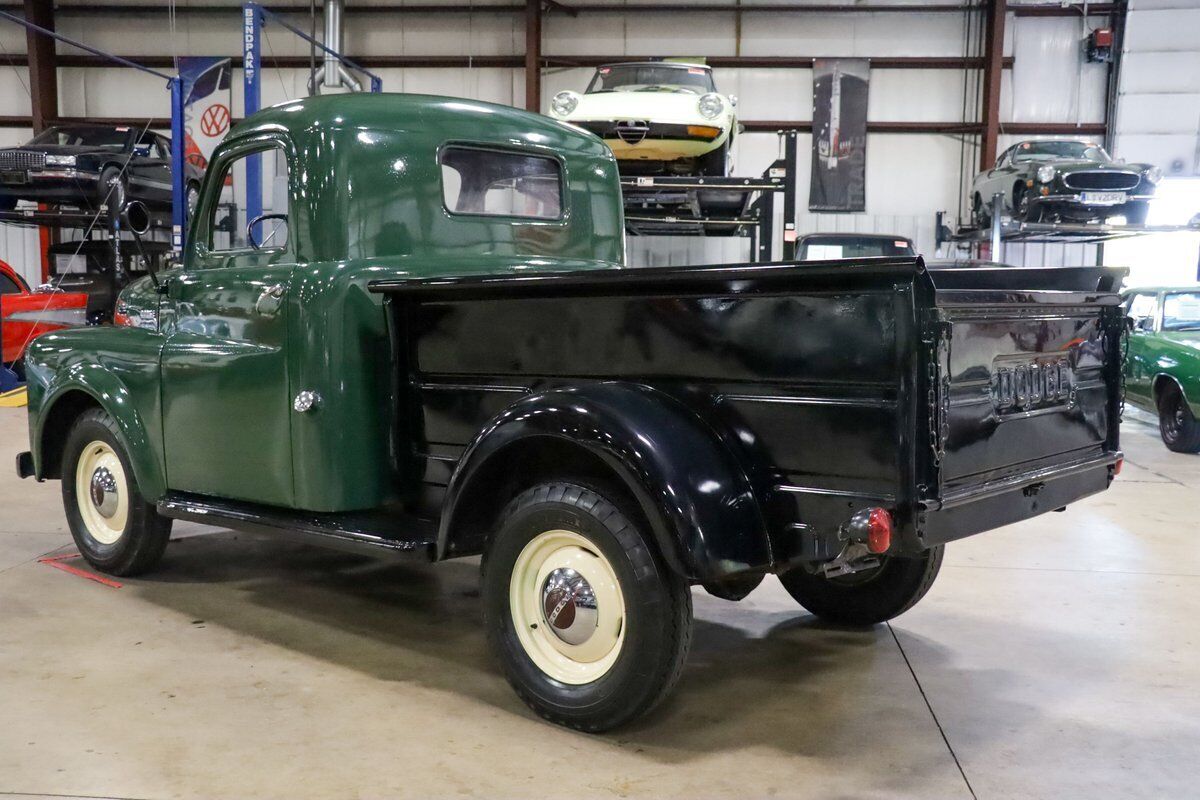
[[103, 491], [569, 606]]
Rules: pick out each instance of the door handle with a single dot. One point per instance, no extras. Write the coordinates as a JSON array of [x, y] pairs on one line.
[[269, 299]]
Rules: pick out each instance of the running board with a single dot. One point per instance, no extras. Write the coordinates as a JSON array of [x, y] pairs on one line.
[[353, 530]]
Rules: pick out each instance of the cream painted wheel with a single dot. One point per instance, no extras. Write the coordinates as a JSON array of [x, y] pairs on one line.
[[102, 492], [567, 607]]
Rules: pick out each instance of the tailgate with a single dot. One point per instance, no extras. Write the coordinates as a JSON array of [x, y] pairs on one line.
[[1027, 372]]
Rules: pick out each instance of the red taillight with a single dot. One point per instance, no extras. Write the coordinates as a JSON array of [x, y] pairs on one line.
[[879, 530], [1117, 467]]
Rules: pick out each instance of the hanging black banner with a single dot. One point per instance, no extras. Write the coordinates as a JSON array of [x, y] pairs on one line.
[[839, 124]]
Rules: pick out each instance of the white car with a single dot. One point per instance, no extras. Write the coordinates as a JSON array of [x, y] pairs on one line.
[[657, 116]]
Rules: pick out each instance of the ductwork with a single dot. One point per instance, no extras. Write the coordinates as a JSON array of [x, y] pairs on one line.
[[333, 74]]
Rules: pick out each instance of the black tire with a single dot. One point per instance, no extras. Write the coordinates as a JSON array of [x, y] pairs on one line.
[[714, 164], [140, 543], [979, 213], [656, 627], [191, 196], [1136, 213], [1179, 429], [869, 597], [110, 190], [1025, 210]]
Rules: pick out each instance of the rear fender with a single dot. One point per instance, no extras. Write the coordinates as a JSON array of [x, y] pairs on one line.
[[700, 506]]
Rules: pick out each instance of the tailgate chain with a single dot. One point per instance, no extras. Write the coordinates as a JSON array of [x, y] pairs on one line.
[[939, 389]]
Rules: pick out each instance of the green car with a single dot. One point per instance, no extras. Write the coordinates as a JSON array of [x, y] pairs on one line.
[[1162, 366]]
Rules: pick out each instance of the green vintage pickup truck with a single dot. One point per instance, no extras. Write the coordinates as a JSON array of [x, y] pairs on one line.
[[428, 345]]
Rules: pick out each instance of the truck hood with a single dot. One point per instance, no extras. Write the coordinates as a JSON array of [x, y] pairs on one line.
[[677, 107]]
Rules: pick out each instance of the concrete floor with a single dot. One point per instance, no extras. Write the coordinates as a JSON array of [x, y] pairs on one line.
[[1060, 656]]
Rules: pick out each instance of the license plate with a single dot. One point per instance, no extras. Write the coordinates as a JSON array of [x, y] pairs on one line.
[[1103, 198], [14, 176]]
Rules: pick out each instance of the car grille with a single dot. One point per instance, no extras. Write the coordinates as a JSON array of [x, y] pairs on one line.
[[21, 159], [1102, 179], [632, 131]]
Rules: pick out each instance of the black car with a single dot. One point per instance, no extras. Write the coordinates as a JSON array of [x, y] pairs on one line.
[[1064, 180], [823, 246], [79, 165]]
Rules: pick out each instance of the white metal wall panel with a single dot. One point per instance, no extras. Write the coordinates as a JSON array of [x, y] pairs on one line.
[[1158, 109], [1050, 80]]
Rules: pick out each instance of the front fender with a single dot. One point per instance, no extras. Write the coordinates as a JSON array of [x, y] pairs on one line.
[[118, 369], [703, 513]]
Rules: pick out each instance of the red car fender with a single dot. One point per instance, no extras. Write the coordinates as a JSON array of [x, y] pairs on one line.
[[27, 315]]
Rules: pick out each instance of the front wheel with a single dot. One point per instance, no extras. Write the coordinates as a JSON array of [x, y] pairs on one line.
[[868, 597], [714, 164], [111, 189], [1178, 427], [980, 214], [590, 627], [116, 530]]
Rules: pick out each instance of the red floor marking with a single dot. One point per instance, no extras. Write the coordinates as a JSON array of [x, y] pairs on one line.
[[56, 562]]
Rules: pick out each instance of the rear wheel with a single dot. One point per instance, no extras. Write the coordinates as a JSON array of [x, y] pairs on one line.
[[590, 626], [1178, 427], [870, 596], [116, 530]]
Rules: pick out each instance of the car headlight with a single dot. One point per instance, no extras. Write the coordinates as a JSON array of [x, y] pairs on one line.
[[564, 103], [1046, 173], [60, 161], [1154, 174], [711, 105]]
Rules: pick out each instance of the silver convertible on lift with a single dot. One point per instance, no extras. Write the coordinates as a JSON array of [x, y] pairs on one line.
[[1064, 180]]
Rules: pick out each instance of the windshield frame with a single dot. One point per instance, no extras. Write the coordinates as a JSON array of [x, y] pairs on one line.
[[687, 69], [1017, 151], [53, 130]]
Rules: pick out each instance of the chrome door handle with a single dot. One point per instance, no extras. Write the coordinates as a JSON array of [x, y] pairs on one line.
[[268, 299]]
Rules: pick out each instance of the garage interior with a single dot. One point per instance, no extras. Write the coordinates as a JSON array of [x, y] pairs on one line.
[[1058, 657]]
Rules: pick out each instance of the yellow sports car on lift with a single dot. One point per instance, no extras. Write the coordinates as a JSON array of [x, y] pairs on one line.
[[657, 116]]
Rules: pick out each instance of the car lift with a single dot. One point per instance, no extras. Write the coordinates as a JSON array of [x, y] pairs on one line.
[[175, 84], [717, 206], [991, 240], [116, 221], [254, 17]]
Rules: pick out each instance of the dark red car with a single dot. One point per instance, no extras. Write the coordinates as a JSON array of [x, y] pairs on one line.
[[25, 314]]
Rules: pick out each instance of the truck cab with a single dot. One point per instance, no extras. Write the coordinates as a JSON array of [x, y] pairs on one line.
[[424, 342]]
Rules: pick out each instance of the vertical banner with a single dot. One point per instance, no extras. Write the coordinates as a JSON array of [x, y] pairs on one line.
[[839, 124], [207, 100]]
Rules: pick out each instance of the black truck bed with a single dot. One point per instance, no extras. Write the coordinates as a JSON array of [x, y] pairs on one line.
[[961, 400]]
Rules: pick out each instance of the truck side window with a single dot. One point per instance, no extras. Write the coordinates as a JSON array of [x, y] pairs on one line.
[[500, 183], [1141, 309], [228, 223]]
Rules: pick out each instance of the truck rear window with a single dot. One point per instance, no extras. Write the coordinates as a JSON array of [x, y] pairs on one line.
[[500, 183]]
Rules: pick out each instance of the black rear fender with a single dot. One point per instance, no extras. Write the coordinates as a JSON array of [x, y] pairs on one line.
[[685, 483]]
